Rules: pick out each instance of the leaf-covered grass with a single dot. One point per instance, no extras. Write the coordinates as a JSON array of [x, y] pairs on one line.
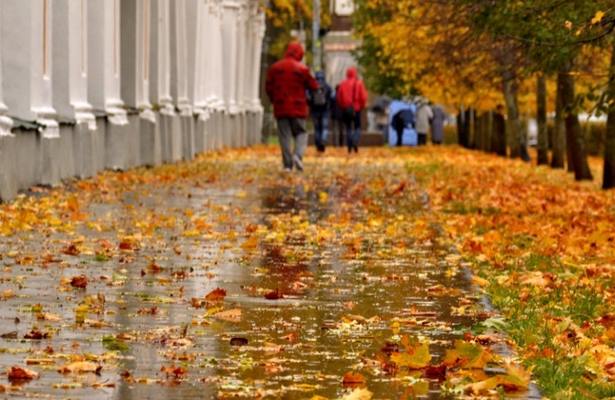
[[544, 246]]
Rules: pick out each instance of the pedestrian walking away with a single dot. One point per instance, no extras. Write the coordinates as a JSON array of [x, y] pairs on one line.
[[286, 86], [352, 99], [401, 120], [437, 125], [338, 121], [321, 102], [424, 115]]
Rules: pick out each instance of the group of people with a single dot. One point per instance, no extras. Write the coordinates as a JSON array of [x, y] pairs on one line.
[[425, 119], [295, 94]]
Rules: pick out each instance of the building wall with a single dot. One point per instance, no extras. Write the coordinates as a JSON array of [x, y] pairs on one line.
[[92, 84]]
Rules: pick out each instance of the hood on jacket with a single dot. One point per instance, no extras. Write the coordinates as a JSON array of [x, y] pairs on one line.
[[320, 77], [351, 73], [294, 51]]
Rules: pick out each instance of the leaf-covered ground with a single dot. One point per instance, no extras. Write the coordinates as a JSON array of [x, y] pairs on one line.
[[226, 277]]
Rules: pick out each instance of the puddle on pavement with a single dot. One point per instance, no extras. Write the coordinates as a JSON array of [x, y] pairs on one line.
[[293, 347]]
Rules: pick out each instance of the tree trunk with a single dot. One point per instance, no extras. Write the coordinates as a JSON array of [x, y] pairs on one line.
[[462, 133], [574, 135], [608, 181], [513, 127], [541, 119], [498, 138], [559, 133], [471, 127], [489, 133]]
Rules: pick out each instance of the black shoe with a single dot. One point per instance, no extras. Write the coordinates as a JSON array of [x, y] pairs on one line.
[[356, 149]]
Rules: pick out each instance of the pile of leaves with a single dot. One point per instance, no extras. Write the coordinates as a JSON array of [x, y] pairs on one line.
[[543, 248]]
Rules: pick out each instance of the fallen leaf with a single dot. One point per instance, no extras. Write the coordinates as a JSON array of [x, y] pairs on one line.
[[16, 374], [238, 341], [358, 394], [353, 379], [233, 315], [79, 367], [80, 281], [217, 294], [274, 295]]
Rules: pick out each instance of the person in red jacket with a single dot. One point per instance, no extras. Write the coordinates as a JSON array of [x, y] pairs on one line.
[[351, 100], [286, 85]]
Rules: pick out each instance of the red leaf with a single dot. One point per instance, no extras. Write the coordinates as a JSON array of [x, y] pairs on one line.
[[274, 295], [21, 374], [217, 294], [353, 379], [80, 281], [435, 372], [71, 250]]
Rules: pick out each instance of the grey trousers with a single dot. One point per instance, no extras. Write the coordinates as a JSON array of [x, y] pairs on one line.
[[289, 128]]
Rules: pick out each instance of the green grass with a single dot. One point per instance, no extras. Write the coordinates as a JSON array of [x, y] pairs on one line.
[[558, 374]]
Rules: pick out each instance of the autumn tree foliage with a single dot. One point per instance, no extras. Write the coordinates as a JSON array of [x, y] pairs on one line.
[[285, 18], [534, 56]]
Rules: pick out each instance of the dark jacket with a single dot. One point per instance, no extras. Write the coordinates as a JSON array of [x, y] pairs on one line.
[[437, 124], [328, 93], [287, 81]]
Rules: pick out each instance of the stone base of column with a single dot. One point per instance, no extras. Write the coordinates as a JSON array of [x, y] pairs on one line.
[[214, 131], [118, 145], [8, 182], [171, 132], [150, 141], [132, 139], [50, 150], [65, 156], [189, 140], [201, 132], [84, 150]]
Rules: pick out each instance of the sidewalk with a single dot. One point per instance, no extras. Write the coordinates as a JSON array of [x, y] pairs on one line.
[[226, 277]]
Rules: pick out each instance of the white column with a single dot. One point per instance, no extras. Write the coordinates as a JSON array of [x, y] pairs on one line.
[[26, 57], [230, 45], [242, 42], [6, 123], [70, 62], [179, 57], [104, 59], [257, 35], [196, 13], [212, 61], [136, 48], [217, 56], [160, 58]]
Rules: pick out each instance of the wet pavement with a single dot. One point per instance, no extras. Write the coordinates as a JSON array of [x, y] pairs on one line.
[[321, 274]]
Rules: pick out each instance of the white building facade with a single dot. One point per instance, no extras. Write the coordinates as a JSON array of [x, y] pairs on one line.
[[92, 84]]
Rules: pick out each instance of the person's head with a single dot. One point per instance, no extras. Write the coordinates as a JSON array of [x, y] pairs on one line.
[[499, 108], [320, 76], [351, 73], [295, 51]]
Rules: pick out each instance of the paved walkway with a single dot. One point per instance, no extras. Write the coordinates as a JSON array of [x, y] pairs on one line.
[[228, 277]]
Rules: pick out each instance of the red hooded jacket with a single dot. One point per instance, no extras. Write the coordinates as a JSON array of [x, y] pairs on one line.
[[352, 92], [287, 81]]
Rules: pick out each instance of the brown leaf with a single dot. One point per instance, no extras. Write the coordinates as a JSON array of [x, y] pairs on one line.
[[233, 315], [71, 250], [16, 374], [80, 367], [217, 294], [36, 334], [238, 341], [353, 379], [437, 372], [274, 295], [176, 372], [80, 281]]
